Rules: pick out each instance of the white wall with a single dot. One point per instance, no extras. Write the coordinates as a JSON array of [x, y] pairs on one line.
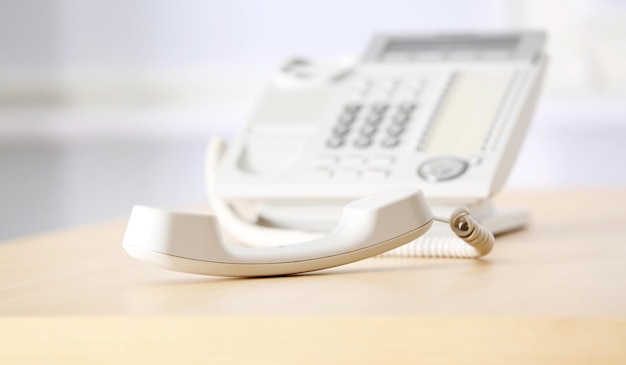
[[137, 50]]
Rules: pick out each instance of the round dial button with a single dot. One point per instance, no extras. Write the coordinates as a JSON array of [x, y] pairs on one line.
[[442, 169]]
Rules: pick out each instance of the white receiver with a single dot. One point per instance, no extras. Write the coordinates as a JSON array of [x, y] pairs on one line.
[[192, 242]]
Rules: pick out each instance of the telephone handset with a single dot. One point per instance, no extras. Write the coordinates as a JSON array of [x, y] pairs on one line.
[[191, 242]]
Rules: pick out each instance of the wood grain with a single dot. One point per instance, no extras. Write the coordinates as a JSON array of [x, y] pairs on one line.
[[310, 340]]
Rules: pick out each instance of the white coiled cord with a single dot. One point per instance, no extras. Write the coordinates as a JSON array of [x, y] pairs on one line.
[[472, 240], [470, 231]]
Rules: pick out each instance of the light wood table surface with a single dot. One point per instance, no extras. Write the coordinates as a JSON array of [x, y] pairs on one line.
[[552, 293]]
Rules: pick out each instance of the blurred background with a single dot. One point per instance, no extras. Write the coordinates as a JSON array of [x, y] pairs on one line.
[[108, 103]]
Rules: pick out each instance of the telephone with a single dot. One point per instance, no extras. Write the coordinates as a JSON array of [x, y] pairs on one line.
[[447, 113], [444, 112]]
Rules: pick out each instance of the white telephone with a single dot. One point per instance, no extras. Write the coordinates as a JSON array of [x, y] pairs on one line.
[[446, 113]]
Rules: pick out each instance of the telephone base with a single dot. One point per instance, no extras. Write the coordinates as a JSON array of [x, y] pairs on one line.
[[506, 220]]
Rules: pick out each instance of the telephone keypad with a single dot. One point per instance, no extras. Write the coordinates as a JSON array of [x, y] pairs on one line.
[[368, 130], [380, 114]]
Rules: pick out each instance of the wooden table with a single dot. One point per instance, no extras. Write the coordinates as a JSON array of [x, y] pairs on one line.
[[552, 293]]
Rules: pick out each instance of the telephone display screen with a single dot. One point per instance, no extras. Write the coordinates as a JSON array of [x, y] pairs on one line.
[[445, 47]]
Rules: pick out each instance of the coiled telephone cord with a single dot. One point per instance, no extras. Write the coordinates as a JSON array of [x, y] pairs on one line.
[[475, 240]]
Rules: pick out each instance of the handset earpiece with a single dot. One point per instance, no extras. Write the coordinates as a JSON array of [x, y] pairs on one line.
[[192, 242]]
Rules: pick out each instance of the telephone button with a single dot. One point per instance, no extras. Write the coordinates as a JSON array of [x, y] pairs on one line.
[[363, 142], [390, 142], [401, 118], [374, 119], [407, 107], [352, 108], [395, 130], [341, 130], [368, 130], [380, 108], [335, 142], [442, 169], [346, 119]]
